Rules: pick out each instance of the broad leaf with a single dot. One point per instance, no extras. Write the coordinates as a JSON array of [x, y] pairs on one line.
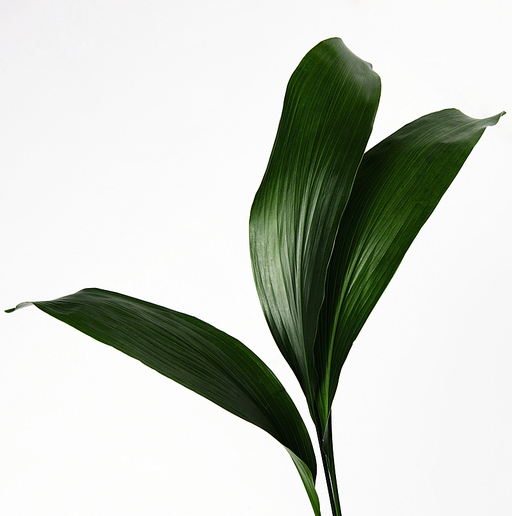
[[399, 183], [327, 118], [198, 356]]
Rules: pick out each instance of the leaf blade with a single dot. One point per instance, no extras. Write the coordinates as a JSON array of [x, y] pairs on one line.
[[327, 118], [399, 183], [199, 357]]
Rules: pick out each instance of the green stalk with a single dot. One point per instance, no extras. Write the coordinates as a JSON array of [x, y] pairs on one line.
[[326, 451]]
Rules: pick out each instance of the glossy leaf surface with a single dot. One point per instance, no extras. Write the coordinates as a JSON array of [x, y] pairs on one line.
[[327, 118], [199, 357], [399, 183]]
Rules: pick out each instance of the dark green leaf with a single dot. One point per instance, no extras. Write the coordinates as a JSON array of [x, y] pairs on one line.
[[198, 356], [399, 183], [327, 118]]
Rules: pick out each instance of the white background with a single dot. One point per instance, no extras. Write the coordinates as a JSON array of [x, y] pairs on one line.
[[133, 137]]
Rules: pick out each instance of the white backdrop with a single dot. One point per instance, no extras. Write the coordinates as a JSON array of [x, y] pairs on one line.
[[133, 138]]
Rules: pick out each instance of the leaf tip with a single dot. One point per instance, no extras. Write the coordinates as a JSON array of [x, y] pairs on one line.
[[496, 118], [17, 307]]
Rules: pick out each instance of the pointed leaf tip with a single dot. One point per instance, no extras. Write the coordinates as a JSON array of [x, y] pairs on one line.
[[17, 307]]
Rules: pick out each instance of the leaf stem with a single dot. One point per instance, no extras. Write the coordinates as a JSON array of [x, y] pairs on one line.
[[326, 451]]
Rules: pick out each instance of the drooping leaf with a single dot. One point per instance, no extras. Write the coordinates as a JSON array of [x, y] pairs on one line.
[[327, 118], [199, 357], [399, 183]]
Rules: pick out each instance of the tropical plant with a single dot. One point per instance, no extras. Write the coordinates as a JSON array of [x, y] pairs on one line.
[[329, 226]]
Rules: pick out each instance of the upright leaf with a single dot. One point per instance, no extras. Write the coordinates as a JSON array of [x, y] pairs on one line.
[[399, 183], [327, 118], [199, 357]]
